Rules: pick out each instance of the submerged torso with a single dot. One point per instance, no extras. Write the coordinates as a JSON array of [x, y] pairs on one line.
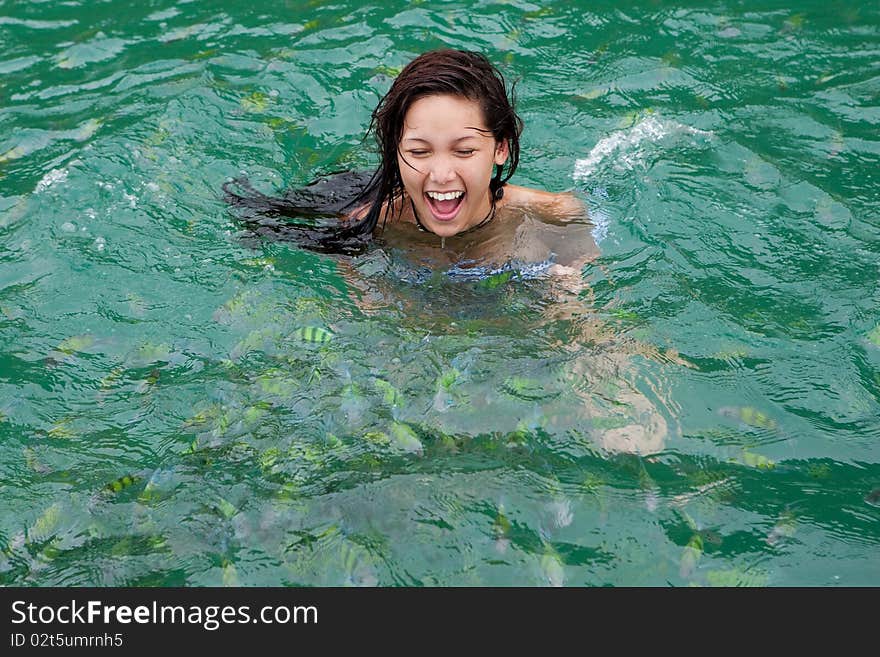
[[515, 241]]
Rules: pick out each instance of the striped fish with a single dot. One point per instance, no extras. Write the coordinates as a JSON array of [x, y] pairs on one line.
[[313, 334], [122, 483]]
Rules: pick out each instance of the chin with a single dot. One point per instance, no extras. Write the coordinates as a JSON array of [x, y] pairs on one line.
[[445, 229]]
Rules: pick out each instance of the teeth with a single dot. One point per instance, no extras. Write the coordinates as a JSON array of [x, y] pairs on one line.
[[445, 197]]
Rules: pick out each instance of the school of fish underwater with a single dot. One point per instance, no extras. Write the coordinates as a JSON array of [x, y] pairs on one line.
[[182, 404]]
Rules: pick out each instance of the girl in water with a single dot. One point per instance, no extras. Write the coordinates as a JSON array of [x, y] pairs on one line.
[[448, 138]]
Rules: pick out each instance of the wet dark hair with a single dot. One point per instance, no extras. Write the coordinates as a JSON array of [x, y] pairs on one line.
[[439, 72]]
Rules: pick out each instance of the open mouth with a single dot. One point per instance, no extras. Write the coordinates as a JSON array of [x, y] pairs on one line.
[[444, 206]]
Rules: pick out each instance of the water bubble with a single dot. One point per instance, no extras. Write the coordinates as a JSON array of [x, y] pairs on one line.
[[68, 227], [100, 243]]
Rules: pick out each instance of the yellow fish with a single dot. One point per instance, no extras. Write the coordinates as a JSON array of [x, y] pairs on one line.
[[405, 439], [552, 570], [750, 416], [690, 557], [757, 460], [313, 334], [122, 483], [46, 525]]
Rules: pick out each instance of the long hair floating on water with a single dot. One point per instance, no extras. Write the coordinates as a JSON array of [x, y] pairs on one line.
[[309, 216], [321, 205]]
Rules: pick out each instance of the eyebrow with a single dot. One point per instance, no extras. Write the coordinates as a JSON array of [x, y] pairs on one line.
[[454, 141]]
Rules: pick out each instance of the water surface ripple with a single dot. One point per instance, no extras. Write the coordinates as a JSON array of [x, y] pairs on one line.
[[166, 419]]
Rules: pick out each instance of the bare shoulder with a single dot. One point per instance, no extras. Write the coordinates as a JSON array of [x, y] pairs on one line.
[[563, 206]]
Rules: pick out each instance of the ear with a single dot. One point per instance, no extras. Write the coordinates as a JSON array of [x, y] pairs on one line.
[[502, 151]]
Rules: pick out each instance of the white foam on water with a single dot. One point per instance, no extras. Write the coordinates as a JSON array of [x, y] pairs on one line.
[[626, 146], [54, 177], [624, 150], [598, 215]]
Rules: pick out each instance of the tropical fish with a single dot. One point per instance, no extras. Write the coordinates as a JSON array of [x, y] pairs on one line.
[[383, 69], [756, 460], [592, 94], [518, 437], [353, 403], [444, 398], [448, 378], [225, 507], [108, 382], [254, 413], [13, 154], [46, 525], [552, 570], [34, 463], [255, 102], [377, 437], [784, 529], [750, 416], [501, 525], [148, 353], [690, 557], [358, 566], [714, 484], [276, 382], [230, 574], [62, 430], [313, 334], [158, 485], [75, 343], [151, 380], [404, 438], [390, 394], [819, 471], [122, 483]]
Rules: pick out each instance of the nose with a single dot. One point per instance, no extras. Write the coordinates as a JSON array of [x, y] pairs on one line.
[[441, 171]]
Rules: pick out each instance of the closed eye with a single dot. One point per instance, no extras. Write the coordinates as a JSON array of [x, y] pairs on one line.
[[466, 152], [417, 152]]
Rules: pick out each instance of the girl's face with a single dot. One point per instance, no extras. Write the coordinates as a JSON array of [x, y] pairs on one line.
[[446, 162]]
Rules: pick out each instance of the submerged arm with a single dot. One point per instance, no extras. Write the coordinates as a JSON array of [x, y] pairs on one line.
[[601, 366]]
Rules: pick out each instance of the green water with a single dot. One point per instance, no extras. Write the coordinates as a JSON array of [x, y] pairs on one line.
[[164, 420]]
